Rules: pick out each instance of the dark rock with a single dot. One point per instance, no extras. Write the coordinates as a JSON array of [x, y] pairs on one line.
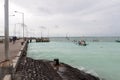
[[29, 69]]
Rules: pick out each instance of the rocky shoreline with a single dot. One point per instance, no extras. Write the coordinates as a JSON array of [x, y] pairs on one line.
[[30, 69]]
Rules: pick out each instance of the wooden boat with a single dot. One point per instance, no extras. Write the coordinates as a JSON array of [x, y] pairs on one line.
[[118, 41]]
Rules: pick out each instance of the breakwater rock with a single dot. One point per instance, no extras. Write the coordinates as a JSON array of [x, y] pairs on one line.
[[30, 69]]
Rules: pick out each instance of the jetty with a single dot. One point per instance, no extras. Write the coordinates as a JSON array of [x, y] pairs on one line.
[[42, 39], [13, 49]]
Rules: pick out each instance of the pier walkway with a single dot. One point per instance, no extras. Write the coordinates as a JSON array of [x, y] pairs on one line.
[[13, 49]]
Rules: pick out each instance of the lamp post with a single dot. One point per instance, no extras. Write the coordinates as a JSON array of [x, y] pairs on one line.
[[12, 16], [22, 21], [6, 23]]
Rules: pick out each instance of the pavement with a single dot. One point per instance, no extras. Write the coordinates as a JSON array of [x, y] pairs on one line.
[[13, 49]]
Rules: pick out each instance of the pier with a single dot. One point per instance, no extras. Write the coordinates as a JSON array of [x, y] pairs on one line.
[[13, 49], [8, 66]]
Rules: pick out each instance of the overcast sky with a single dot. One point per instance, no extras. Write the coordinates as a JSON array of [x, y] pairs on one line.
[[61, 17]]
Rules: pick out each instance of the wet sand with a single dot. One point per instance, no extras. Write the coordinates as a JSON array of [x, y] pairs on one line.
[[13, 49]]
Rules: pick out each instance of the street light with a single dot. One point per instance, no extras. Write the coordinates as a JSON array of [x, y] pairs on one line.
[[22, 21], [6, 23]]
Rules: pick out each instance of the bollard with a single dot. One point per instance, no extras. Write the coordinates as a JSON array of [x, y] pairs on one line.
[[56, 62]]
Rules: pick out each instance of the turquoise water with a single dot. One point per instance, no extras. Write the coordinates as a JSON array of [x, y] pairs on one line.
[[101, 57]]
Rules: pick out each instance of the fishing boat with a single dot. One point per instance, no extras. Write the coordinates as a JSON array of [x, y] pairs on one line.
[[117, 41], [82, 43]]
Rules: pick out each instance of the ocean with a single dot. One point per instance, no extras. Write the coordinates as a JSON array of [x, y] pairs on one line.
[[101, 55]]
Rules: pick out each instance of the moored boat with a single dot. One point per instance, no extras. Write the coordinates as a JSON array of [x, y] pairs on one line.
[[117, 41], [82, 43]]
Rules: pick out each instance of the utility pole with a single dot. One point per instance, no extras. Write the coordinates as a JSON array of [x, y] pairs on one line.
[[23, 25], [6, 23], [22, 21]]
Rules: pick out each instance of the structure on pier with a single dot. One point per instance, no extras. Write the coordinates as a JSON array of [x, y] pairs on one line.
[[42, 39]]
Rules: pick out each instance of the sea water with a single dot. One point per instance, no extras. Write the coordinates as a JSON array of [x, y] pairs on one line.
[[100, 57]]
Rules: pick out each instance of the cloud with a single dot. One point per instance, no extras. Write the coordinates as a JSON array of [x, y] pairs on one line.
[[42, 27], [78, 17]]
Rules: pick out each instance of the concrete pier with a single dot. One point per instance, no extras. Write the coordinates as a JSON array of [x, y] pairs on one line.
[[13, 49], [6, 66]]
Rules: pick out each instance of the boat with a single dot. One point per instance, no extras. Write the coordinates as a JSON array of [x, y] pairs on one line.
[[68, 38], [82, 43], [117, 41], [95, 40]]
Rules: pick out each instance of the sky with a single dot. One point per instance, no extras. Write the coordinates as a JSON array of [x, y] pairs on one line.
[[63, 17]]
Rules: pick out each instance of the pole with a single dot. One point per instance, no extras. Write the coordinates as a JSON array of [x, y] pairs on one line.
[[22, 21], [6, 23], [14, 30], [23, 24]]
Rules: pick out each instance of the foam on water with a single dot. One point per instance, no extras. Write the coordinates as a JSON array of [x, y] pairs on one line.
[[97, 57]]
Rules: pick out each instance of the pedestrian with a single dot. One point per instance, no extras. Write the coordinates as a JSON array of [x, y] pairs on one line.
[[14, 39]]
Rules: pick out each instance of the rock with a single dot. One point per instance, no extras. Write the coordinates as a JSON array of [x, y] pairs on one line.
[[44, 70]]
